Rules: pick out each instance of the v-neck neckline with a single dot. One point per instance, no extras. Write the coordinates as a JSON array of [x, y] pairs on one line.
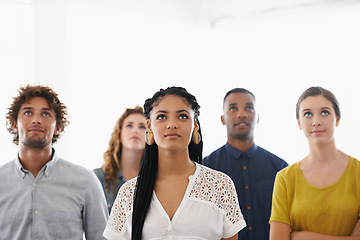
[[183, 200]]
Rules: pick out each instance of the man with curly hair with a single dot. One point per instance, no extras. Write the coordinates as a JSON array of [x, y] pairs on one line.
[[43, 196]]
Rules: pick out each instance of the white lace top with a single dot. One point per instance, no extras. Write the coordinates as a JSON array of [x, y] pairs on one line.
[[209, 210]]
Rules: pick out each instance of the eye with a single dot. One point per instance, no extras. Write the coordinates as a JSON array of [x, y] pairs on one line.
[[46, 114], [27, 113], [183, 116], [129, 126], [143, 128], [250, 109], [160, 117], [325, 113], [232, 109], [307, 114]]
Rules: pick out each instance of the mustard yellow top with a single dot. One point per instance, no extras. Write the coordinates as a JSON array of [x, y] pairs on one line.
[[332, 210]]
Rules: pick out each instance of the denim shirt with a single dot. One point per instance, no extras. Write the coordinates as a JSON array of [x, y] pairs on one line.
[[253, 173], [64, 201], [109, 195]]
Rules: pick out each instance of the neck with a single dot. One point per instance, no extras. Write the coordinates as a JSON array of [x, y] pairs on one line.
[[34, 159], [130, 162], [241, 145], [324, 153], [175, 164]]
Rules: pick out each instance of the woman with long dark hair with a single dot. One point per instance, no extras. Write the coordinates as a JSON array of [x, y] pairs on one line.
[[174, 196]]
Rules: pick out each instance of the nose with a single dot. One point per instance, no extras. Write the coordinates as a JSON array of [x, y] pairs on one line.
[[36, 119], [316, 122], [241, 114], [171, 125]]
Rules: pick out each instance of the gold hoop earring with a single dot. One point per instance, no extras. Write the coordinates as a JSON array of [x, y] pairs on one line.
[[196, 138], [149, 138]]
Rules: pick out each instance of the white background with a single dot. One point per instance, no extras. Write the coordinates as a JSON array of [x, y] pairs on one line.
[[101, 60]]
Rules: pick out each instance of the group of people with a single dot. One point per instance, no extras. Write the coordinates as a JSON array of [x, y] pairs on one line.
[[155, 184]]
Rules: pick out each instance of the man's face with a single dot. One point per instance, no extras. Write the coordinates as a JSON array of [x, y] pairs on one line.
[[239, 116], [36, 124]]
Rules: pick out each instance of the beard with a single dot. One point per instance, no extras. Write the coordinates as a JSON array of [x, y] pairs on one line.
[[36, 142]]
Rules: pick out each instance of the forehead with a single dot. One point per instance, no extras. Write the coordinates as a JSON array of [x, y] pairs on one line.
[[172, 102], [318, 101], [135, 117], [239, 98], [36, 102]]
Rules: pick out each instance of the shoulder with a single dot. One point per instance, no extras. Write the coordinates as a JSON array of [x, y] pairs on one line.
[[289, 171], [76, 172], [272, 157], [99, 172], [210, 184], [214, 155], [6, 167]]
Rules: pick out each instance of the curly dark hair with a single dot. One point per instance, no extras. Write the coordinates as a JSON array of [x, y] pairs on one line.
[[146, 179], [112, 156], [27, 93]]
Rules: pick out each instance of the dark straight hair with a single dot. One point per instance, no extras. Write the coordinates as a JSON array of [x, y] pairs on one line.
[[149, 167]]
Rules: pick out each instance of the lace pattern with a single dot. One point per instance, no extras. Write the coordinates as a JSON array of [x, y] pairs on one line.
[[209, 185], [217, 188], [122, 206]]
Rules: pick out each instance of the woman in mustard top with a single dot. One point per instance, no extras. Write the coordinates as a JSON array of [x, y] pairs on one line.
[[318, 197]]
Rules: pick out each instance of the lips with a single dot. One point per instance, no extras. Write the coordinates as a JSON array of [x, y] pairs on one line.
[[317, 132], [36, 129], [172, 135], [241, 123]]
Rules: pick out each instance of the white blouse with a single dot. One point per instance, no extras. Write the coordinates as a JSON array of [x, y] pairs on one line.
[[209, 210]]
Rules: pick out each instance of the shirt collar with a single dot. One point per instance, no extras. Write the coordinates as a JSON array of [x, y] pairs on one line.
[[237, 153], [48, 168]]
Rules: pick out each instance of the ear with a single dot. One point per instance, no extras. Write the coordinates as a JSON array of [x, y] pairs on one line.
[[148, 125], [258, 118], [196, 126], [14, 127], [337, 121], [222, 120], [299, 125], [58, 131]]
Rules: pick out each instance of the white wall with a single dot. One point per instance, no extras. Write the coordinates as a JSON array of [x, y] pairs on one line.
[[112, 60]]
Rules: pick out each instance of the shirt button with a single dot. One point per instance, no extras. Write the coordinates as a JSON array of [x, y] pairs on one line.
[[244, 167], [248, 208], [35, 185], [250, 228], [246, 187], [36, 212]]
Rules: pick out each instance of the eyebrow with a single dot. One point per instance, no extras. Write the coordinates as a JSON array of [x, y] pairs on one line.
[[247, 104], [30, 108], [309, 109], [179, 111]]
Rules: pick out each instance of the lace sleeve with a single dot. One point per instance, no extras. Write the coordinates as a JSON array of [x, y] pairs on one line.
[[122, 208], [218, 188]]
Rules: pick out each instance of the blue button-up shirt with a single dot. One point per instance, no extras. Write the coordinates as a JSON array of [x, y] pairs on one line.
[[109, 195], [253, 173], [64, 201]]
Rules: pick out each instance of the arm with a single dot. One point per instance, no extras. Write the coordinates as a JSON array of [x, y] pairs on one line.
[[279, 231], [312, 235], [235, 237], [95, 210]]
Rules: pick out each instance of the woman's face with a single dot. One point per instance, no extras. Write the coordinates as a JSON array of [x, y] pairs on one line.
[[317, 119], [172, 122], [133, 132]]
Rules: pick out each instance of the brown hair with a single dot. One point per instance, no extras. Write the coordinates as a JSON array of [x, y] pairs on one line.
[[316, 91], [112, 156], [26, 94]]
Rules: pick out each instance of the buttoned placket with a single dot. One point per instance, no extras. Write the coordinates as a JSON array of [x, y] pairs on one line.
[[248, 190]]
